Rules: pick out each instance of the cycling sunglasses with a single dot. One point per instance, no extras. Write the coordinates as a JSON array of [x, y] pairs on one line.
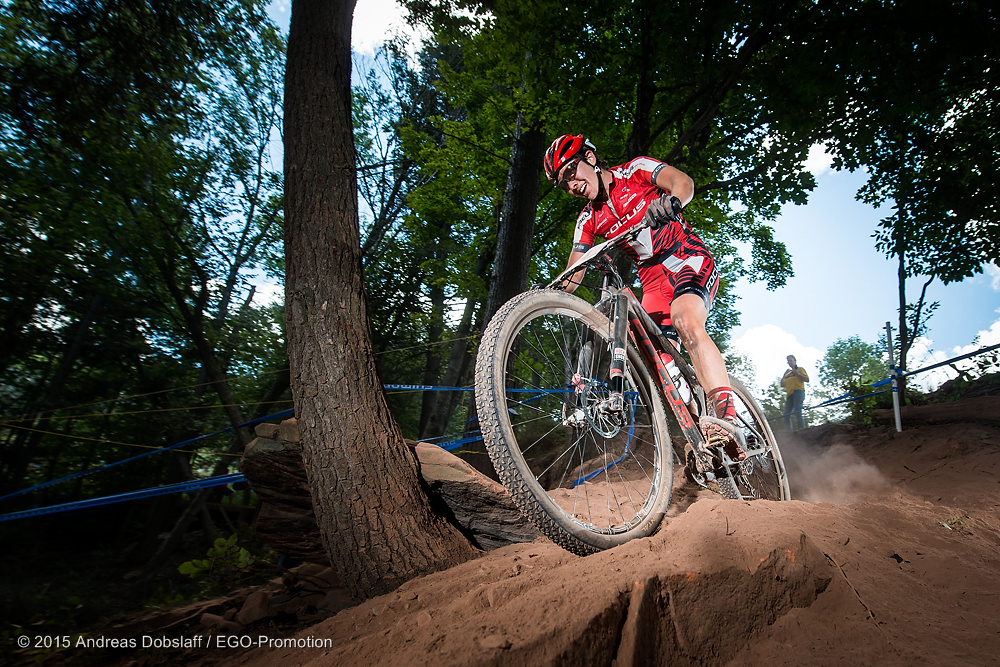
[[569, 173]]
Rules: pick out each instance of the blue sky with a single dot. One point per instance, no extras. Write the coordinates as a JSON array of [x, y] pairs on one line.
[[842, 286]]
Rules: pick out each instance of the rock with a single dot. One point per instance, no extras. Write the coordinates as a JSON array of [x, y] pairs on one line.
[[257, 606], [288, 431], [291, 530], [272, 463], [219, 623], [286, 520], [479, 506], [495, 642], [269, 431]]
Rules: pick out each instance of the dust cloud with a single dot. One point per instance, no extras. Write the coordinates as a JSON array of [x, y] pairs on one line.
[[829, 474]]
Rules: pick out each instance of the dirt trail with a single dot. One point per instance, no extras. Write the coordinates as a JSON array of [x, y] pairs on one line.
[[892, 557]]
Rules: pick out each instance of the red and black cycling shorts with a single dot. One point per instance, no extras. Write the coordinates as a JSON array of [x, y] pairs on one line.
[[674, 276]]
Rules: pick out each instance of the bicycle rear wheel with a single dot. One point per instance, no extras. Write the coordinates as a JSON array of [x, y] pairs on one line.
[[761, 476], [586, 476]]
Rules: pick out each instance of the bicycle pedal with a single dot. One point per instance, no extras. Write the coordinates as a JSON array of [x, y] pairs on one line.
[[717, 440]]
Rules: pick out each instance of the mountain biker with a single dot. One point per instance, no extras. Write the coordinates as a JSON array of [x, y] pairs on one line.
[[678, 274]]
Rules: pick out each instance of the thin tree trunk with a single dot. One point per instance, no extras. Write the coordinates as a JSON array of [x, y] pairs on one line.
[[377, 523], [517, 219], [55, 390], [432, 363], [459, 361], [904, 333], [444, 407]]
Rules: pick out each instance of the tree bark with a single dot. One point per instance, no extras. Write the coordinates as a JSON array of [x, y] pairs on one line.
[[517, 219], [377, 523]]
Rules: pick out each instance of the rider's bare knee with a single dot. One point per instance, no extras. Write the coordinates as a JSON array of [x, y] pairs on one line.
[[689, 330]]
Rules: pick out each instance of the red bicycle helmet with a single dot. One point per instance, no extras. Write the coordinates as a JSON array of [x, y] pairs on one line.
[[562, 150]]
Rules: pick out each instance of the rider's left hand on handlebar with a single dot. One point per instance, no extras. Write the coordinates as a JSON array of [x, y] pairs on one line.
[[663, 210]]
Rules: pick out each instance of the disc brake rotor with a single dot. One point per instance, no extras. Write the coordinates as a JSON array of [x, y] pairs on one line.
[[596, 399]]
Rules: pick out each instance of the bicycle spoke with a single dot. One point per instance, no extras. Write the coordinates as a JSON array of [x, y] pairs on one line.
[[591, 464]]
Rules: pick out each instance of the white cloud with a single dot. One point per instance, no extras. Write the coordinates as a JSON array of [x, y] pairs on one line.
[[923, 355], [268, 293], [375, 21], [819, 161], [767, 347], [993, 272]]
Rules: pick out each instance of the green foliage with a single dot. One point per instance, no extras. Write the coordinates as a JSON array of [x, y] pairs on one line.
[[850, 366], [227, 565], [735, 94], [773, 403], [852, 361], [138, 202], [976, 376], [986, 363], [741, 367]]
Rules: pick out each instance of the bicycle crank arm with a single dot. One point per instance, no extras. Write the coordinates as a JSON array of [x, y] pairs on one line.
[[703, 460]]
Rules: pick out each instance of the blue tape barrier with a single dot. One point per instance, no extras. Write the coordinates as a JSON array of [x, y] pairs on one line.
[[232, 478], [440, 438], [452, 445], [423, 387], [91, 471], [974, 353], [847, 398]]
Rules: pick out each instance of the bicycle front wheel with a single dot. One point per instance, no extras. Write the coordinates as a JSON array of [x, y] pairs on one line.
[[760, 476], [590, 474]]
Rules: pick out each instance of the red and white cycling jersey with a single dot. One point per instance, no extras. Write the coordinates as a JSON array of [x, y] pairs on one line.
[[672, 260]]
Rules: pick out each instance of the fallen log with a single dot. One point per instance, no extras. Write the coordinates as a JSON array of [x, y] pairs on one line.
[[981, 410]]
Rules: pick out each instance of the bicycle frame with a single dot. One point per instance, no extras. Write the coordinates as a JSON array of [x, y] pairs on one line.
[[628, 318]]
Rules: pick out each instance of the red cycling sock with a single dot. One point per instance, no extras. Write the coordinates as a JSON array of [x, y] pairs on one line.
[[725, 402]]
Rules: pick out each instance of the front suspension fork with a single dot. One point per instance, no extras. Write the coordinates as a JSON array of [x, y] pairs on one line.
[[618, 346]]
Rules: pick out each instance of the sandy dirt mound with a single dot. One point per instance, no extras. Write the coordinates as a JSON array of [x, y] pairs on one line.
[[892, 557]]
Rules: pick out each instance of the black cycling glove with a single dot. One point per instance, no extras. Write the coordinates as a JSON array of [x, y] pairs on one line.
[[663, 210]]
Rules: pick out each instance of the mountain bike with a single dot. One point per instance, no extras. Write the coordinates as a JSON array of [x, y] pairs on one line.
[[574, 401]]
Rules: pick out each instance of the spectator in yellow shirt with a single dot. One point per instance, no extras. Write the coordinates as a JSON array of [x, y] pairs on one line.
[[794, 381]]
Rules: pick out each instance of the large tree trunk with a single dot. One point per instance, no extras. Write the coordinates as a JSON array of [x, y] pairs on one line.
[[517, 219], [378, 526]]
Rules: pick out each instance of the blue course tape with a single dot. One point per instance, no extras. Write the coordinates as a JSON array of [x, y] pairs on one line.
[[123, 497], [91, 471], [452, 445], [958, 358], [423, 387], [846, 398]]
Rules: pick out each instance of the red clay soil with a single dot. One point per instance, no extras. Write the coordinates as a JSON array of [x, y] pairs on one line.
[[891, 556]]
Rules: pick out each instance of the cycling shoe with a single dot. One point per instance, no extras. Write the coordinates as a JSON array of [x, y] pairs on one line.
[[722, 432]]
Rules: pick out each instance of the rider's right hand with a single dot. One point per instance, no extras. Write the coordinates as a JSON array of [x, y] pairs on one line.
[[664, 210]]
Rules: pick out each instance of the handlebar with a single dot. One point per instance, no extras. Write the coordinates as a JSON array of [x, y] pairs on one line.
[[591, 256], [667, 207]]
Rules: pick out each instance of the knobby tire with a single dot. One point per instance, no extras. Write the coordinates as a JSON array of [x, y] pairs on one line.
[[586, 479], [760, 477]]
